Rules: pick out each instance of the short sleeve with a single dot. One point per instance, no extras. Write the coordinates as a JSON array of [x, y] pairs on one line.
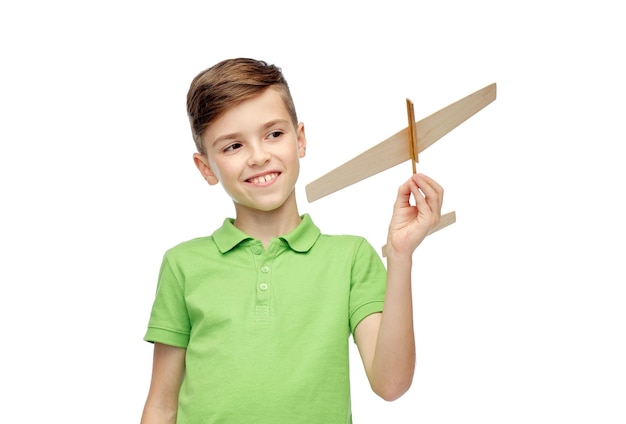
[[367, 285], [169, 321]]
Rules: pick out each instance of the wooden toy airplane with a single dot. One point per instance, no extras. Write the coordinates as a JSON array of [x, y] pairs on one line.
[[404, 145]]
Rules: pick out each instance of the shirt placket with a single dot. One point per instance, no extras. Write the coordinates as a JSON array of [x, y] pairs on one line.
[[263, 283]]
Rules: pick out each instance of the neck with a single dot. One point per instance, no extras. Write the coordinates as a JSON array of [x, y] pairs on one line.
[[265, 225]]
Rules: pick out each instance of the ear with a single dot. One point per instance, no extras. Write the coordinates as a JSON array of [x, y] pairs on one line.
[[202, 163], [301, 138]]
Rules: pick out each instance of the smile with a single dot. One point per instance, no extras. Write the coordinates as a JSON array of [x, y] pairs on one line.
[[263, 178]]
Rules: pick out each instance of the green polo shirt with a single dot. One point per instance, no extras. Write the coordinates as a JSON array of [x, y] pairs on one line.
[[266, 330]]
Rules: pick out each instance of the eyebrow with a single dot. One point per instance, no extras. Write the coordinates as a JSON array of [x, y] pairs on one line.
[[224, 138], [235, 135]]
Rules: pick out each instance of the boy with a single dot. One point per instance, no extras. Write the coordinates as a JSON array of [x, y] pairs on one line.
[[251, 324]]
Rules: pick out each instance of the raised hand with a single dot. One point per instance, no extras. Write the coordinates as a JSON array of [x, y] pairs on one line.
[[410, 223]]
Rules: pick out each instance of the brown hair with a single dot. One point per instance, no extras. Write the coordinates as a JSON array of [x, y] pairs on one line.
[[224, 85]]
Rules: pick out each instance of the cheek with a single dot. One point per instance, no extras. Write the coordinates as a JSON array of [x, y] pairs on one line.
[[218, 169]]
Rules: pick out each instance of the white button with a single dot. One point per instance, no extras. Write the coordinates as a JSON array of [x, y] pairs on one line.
[[263, 286], [265, 268]]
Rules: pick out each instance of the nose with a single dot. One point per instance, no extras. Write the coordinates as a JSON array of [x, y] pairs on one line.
[[258, 155]]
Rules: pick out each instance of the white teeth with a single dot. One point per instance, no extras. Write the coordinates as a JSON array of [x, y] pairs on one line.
[[263, 178]]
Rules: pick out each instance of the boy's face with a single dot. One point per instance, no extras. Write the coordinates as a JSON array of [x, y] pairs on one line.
[[254, 150]]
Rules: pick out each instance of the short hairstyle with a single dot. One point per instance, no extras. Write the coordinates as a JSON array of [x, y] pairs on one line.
[[228, 83]]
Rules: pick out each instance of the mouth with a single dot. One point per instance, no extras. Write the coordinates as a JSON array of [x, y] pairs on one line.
[[263, 179]]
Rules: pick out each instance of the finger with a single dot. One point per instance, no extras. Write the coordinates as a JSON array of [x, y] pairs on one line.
[[420, 198], [430, 182], [404, 193], [428, 200], [433, 192], [426, 181]]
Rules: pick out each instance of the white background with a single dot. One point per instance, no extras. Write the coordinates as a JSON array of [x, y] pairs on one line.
[[519, 306]]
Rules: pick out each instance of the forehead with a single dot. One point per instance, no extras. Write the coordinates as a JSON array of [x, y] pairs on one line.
[[249, 114]]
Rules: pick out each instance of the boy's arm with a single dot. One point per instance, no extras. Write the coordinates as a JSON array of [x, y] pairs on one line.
[[168, 369], [386, 340]]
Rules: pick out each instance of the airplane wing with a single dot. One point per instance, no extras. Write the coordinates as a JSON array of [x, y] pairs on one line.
[[397, 148]]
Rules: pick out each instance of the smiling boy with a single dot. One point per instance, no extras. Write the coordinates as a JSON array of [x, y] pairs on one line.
[[252, 323]]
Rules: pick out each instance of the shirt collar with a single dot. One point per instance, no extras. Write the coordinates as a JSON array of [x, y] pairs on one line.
[[300, 239], [303, 237]]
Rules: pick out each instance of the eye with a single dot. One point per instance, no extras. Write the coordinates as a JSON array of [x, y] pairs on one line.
[[232, 147], [275, 134]]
